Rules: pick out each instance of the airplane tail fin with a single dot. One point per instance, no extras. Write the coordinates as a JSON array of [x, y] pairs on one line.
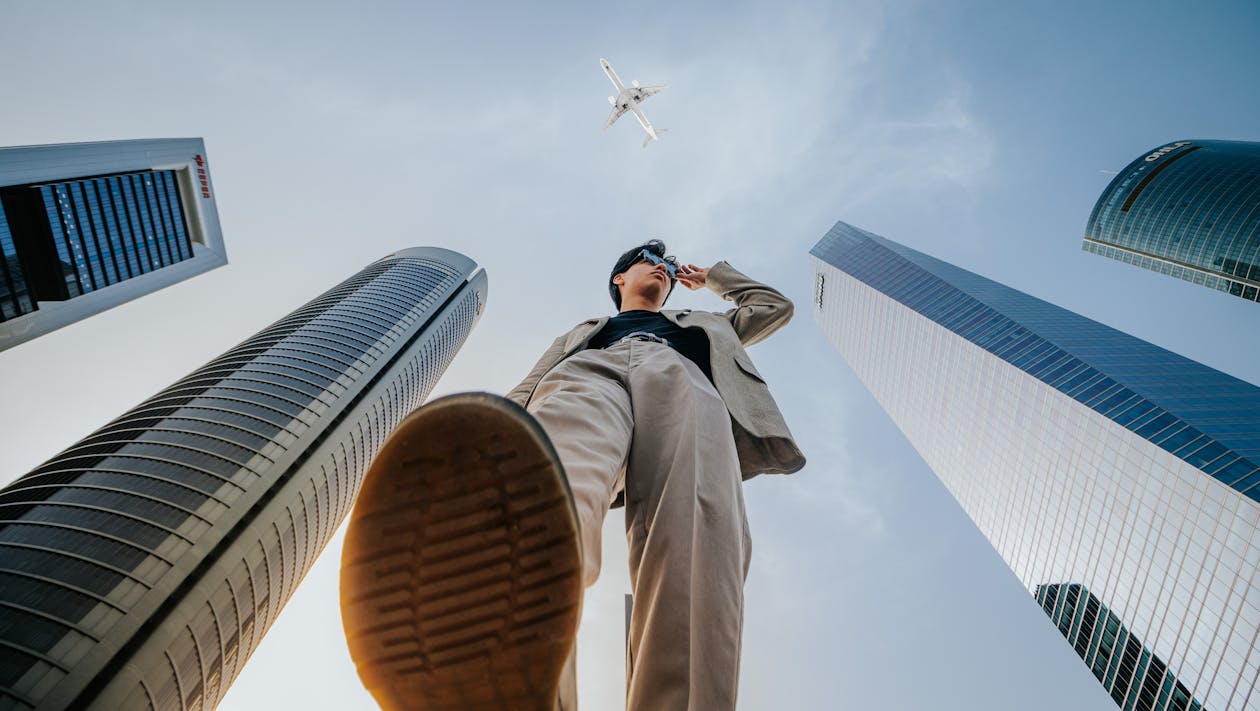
[[649, 138]]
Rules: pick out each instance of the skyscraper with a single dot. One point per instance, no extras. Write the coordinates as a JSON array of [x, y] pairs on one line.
[[1086, 456], [88, 226], [1111, 650], [1189, 209], [141, 567]]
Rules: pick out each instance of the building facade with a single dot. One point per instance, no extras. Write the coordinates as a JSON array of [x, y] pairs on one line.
[[88, 226], [140, 567], [1188, 209], [1112, 651], [1086, 456]]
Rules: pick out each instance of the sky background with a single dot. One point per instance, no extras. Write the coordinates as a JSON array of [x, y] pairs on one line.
[[978, 132]]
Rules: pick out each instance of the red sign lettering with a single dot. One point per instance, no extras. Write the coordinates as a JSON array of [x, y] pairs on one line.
[[201, 176]]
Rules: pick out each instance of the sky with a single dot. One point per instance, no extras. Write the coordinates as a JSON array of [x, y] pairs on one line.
[[978, 132]]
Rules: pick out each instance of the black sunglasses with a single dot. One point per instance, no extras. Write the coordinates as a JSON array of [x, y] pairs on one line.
[[671, 264]]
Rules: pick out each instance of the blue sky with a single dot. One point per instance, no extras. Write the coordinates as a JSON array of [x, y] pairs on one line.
[[977, 132]]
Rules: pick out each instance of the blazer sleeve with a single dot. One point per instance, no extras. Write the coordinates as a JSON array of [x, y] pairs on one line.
[[520, 394], [759, 310]]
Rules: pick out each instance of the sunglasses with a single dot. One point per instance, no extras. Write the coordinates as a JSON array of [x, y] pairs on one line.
[[671, 264]]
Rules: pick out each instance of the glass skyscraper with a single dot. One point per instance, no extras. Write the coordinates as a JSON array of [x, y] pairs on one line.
[[88, 226], [140, 567], [1189, 209], [1112, 651], [1092, 461]]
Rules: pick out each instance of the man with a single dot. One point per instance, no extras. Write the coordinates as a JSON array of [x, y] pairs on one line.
[[493, 518]]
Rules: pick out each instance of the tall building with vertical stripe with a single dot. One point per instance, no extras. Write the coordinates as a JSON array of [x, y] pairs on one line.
[[1188, 209], [141, 567], [88, 226], [1120, 481]]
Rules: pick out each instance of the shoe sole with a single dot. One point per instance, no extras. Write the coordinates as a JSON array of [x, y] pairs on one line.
[[461, 579]]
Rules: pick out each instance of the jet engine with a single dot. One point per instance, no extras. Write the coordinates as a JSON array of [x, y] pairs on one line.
[[612, 101], [634, 83]]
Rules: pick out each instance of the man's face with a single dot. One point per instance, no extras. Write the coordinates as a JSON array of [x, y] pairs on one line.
[[649, 281]]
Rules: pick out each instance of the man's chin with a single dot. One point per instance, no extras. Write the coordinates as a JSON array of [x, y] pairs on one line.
[[656, 296]]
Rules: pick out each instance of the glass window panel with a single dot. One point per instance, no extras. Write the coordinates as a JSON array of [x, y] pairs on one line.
[[158, 218], [152, 234], [79, 226], [168, 491], [75, 572], [125, 503], [142, 235], [30, 631], [50, 598], [105, 228], [123, 527], [233, 403], [176, 212], [136, 256], [116, 553]]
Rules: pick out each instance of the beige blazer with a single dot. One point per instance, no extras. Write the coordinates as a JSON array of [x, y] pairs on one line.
[[762, 438]]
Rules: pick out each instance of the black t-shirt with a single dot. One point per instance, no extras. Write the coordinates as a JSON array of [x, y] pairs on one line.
[[691, 342]]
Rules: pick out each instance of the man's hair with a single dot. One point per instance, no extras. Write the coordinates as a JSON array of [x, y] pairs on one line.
[[628, 259]]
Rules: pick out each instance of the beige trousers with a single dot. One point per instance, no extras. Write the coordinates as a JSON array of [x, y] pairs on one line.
[[640, 416]]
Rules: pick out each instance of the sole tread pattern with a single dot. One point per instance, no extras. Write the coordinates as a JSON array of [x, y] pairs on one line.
[[461, 572]]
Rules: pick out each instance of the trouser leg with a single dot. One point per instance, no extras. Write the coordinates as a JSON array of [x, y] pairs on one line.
[[584, 407], [688, 537]]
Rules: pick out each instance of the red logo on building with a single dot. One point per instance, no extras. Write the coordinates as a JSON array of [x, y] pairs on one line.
[[201, 176]]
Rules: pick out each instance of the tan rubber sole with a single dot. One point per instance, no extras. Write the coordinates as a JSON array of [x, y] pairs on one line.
[[461, 579]]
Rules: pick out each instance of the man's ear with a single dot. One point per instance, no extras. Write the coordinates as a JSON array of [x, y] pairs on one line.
[[619, 279]]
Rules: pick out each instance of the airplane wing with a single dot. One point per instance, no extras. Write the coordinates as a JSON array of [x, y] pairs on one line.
[[616, 113], [643, 92]]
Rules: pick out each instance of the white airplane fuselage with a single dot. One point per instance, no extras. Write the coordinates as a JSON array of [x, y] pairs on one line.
[[625, 99]]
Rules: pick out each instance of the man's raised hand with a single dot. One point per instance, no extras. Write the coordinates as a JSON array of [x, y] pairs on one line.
[[691, 276]]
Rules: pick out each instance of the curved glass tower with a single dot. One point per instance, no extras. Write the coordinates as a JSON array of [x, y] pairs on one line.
[[141, 567], [1189, 209], [1099, 466]]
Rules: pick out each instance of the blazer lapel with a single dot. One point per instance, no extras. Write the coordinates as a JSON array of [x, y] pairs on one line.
[[582, 334], [679, 317], [709, 322]]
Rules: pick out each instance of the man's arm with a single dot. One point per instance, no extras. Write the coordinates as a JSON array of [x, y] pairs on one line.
[[759, 310], [520, 394]]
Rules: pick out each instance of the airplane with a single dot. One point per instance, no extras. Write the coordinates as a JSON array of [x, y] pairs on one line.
[[628, 99]]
